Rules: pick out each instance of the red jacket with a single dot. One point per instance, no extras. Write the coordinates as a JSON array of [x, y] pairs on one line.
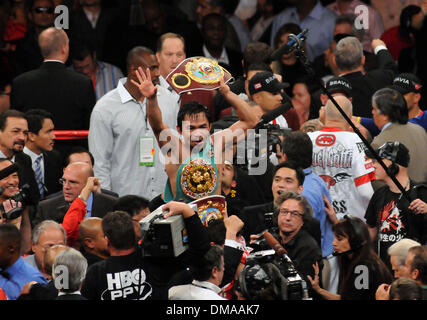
[[75, 214]]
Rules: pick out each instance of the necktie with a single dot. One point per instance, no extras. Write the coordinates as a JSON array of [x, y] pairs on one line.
[[39, 176]]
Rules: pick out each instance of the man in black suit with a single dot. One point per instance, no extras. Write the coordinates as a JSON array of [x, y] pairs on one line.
[[13, 134], [74, 179], [349, 59], [68, 95], [287, 177], [46, 162], [69, 265], [214, 32]]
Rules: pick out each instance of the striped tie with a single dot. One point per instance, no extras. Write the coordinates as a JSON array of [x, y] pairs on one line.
[[39, 176]]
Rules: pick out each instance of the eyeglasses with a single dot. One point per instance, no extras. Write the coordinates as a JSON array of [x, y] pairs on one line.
[[293, 214], [63, 182], [48, 10]]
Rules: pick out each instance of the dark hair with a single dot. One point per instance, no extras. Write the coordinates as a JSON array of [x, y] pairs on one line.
[[405, 26], [391, 103], [216, 16], [134, 53], [80, 50], [405, 289], [286, 28], [211, 259], [118, 227], [363, 253], [30, 3], [256, 52], [291, 165], [11, 113], [190, 108], [131, 204], [78, 149], [306, 207], [259, 66], [298, 148], [10, 235], [35, 119], [420, 262], [216, 232]]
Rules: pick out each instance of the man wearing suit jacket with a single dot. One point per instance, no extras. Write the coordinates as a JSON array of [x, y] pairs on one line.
[[46, 162], [349, 59], [73, 261], [13, 134], [68, 95], [74, 180]]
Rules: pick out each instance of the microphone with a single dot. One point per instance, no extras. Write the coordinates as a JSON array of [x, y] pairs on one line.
[[288, 47], [271, 115], [274, 244]]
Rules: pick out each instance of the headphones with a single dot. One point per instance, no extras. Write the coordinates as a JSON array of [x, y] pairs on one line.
[[393, 169], [358, 241]]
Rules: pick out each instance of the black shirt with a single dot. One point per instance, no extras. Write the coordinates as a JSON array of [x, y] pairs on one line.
[[388, 211]]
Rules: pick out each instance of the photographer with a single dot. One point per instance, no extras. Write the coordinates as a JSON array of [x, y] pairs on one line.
[[147, 277], [13, 211], [291, 212]]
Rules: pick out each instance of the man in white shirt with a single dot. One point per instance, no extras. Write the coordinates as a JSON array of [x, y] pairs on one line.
[[339, 159], [207, 279], [120, 136]]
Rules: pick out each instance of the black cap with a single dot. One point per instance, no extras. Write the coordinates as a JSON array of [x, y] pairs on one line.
[[406, 83], [265, 81], [393, 151], [339, 85]]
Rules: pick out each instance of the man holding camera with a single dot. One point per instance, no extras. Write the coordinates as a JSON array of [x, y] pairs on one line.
[[12, 211]]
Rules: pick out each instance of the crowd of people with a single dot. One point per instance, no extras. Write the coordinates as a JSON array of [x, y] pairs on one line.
[[338, 190]]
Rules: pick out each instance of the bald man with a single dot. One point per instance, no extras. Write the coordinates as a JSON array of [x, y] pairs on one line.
[[339, 159], [121, 138], [91, 238], [74, 179], [53, 85]]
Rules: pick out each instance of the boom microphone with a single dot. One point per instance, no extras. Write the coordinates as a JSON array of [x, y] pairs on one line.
[[271, 115], [289, 46], [274, 244]]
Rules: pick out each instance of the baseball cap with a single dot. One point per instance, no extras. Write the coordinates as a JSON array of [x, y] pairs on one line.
[[339, 85], [394, 151], [406, 83], [265, 81]]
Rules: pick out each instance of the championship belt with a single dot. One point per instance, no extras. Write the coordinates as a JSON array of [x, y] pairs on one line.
[[197, 73], [210, 208], [198, 178]]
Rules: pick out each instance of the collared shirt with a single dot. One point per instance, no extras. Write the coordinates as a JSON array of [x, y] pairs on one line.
[[53, 60], [107, 78], [313, 189], [197, 290], [320, 24], [222, 59], [2, 155], [375, 22], [92, 17], [117, 123], [260, 26], [20, 274], [60, 293], [34, 157], [388, 124]]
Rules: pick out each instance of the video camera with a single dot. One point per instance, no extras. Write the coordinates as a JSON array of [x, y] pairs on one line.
[[21, 196], [163, 237], [278, 272]]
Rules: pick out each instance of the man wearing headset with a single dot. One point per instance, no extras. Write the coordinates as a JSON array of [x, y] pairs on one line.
[[390, 216]]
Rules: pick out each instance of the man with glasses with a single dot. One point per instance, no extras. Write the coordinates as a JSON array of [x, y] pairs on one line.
[[41, 16], [74, 180]]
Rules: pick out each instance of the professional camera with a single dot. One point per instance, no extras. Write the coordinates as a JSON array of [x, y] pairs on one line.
[[21, 196], [272, 270], [275, 136], [163, 237]]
